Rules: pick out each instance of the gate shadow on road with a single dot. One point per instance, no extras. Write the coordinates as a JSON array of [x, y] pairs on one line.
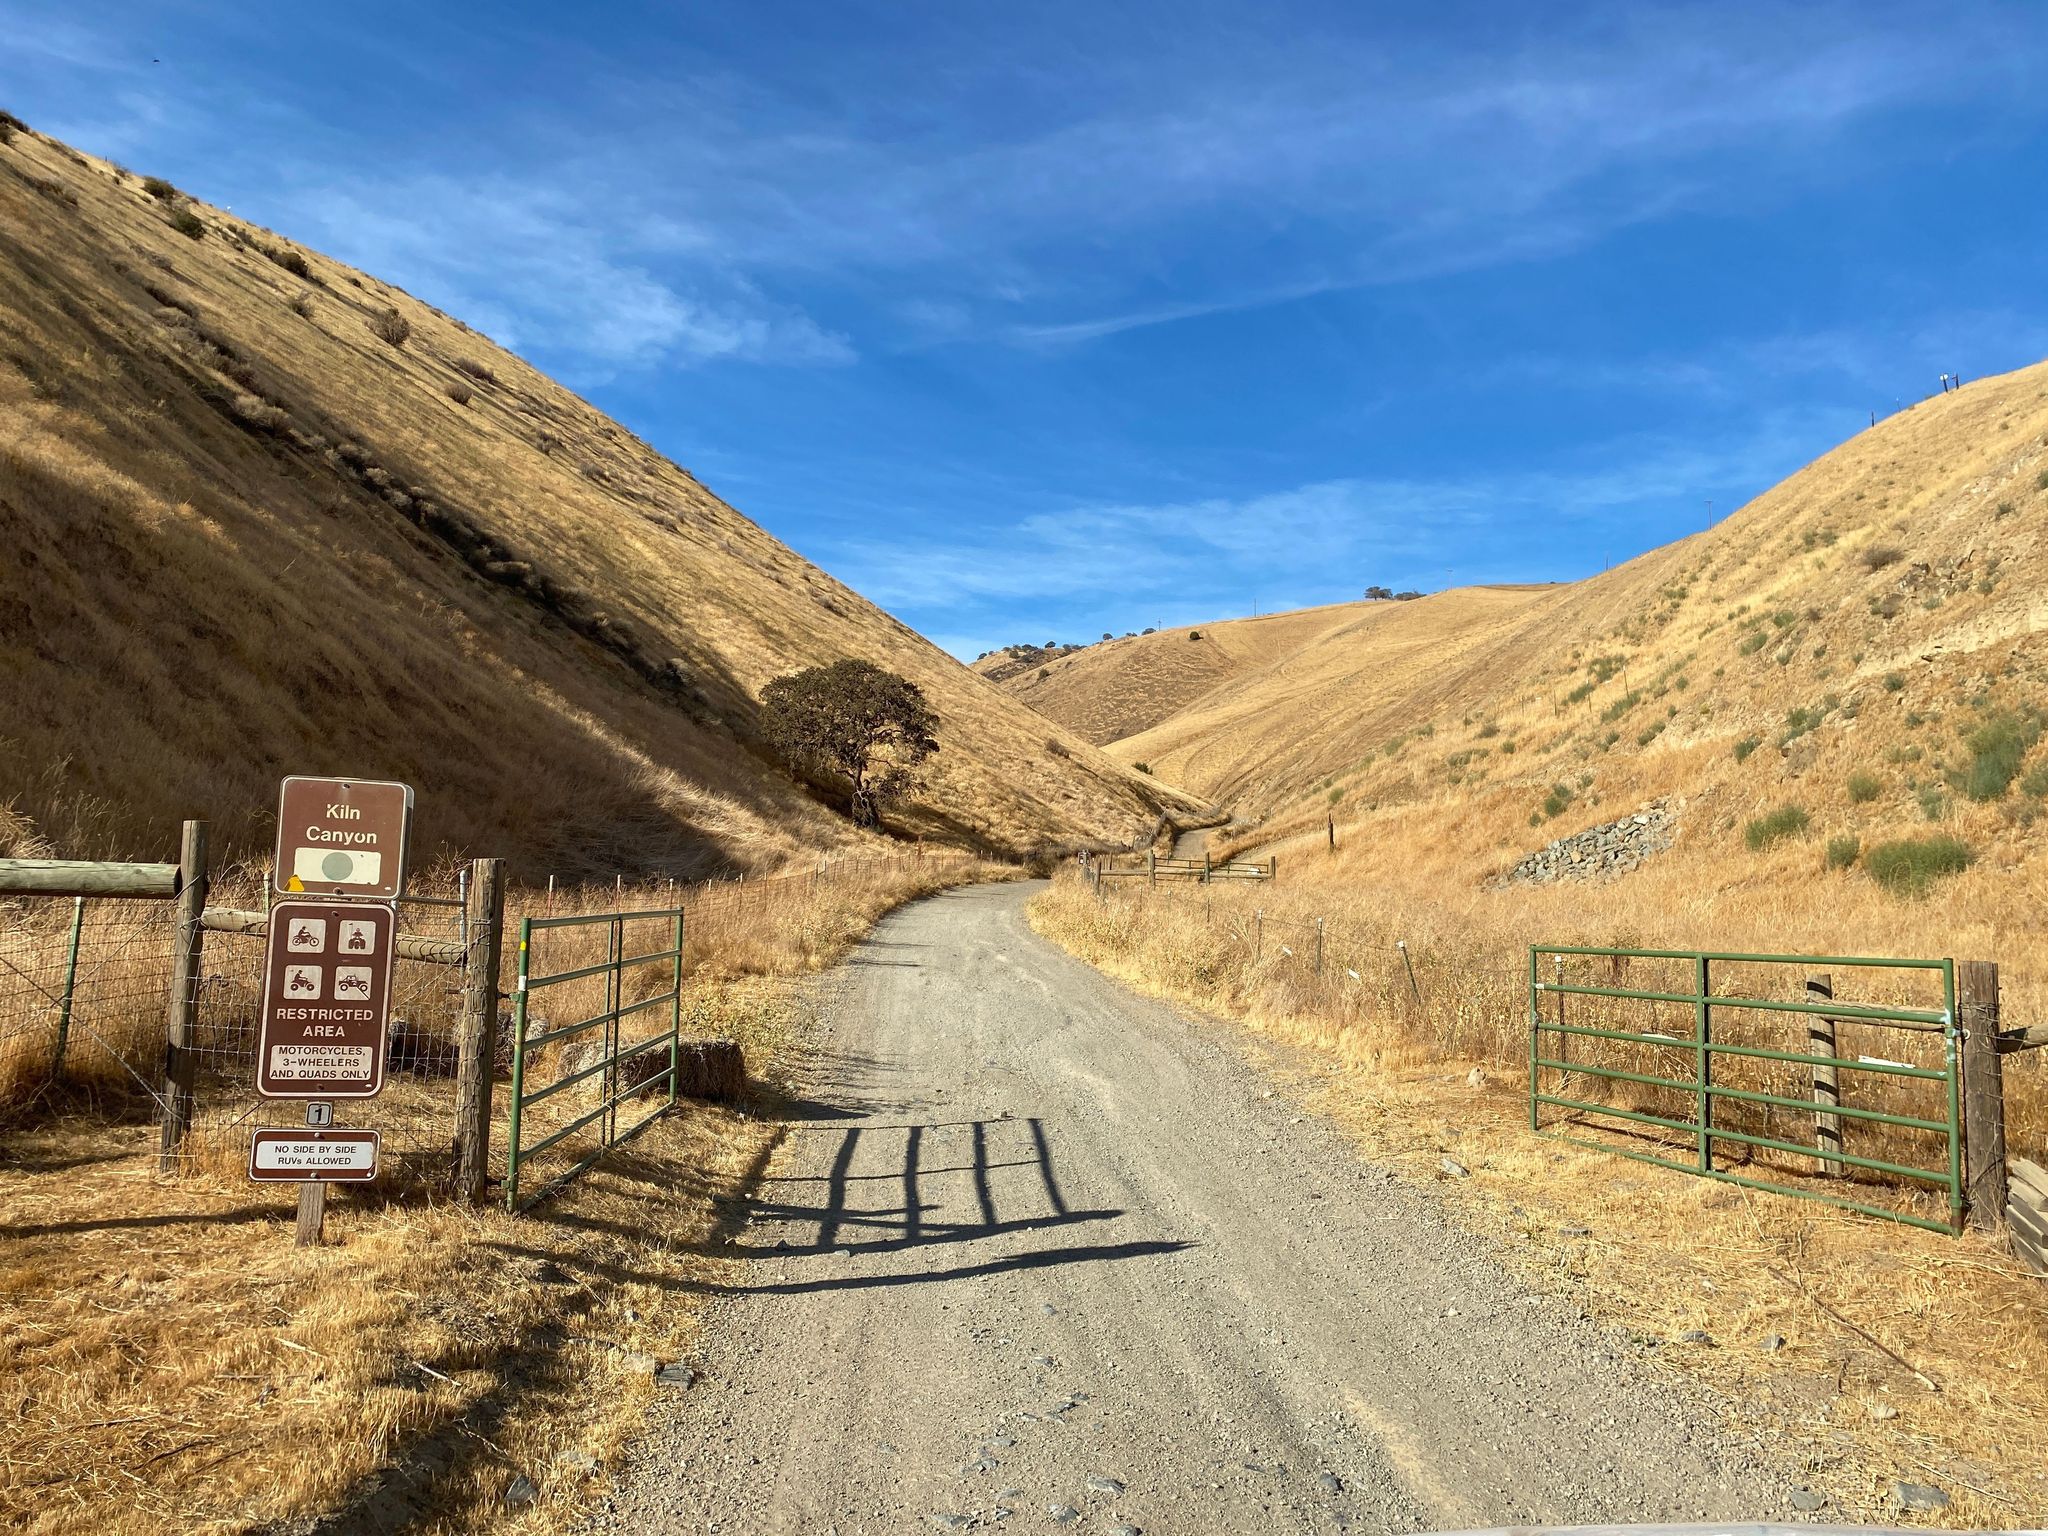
[[908, 1188], [896, 1188]]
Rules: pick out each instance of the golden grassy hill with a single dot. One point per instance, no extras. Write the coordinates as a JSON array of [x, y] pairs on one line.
[[1121, 687], [247, 534], [1876, 614]]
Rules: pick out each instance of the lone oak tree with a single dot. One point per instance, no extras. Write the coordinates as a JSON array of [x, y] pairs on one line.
[[852, 723]]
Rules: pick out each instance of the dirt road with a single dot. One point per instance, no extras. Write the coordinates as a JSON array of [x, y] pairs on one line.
[[1047, 1254]]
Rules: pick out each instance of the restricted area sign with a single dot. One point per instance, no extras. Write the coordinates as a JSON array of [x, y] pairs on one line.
[[326, 999], [342, 837], [346, 1156]]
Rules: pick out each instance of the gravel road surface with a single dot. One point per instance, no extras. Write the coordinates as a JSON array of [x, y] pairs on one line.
[[1042, 1254]]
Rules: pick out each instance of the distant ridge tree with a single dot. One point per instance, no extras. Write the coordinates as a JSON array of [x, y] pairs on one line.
[[1378, 594], [852, 727]]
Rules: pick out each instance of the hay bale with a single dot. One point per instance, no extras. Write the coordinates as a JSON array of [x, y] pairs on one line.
[[711, 1069]]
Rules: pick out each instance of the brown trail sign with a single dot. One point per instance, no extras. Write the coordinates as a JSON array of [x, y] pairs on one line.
[[342, 837], [326, 1000]]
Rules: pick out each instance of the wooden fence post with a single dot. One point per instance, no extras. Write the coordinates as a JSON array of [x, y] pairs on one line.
[[1319, 946], [186, 941], [1273, 867], [312, 1213], [1333, 831], [1827, 1089], [1983, 1092], [479, 1030], [1152, 865]]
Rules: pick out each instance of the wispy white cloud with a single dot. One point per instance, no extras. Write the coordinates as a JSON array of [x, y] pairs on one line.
[[540, 266], [1864, 362], [1209, 170], [1291, 544]]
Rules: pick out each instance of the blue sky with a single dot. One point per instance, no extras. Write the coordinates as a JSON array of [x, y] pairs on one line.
[[1032, 322]]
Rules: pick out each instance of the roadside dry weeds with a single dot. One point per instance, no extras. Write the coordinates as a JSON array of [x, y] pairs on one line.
[[1869, 1313]]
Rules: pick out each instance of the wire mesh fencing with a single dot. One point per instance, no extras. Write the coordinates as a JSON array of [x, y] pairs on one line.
[[83, 987], [415, 1112], [85, 992]]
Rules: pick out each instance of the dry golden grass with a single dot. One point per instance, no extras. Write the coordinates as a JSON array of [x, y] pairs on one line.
[[1657, 1251], [171, 1362], [236, 516]]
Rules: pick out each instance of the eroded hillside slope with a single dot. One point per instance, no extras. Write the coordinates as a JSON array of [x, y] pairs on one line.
[[267, 514], [1878, 614]]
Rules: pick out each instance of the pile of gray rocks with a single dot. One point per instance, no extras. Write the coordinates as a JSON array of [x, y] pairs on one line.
[[1600, 852]]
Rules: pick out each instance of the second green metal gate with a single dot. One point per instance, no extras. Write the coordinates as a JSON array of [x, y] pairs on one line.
[[1693, 1075]]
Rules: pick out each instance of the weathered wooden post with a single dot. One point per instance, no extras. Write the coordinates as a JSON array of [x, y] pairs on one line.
[[1983, 1092], [479, 1029], [1827, 1089], [312, 1213], [1564, 1041], [1273, 867], [70, 988], [1258, 931], [1333, 831], [1319, 946], [1152, 866], [180, 1015]]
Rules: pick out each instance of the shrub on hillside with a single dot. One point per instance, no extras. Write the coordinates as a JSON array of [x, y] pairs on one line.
[[10, 125], [1997, 747], [1876, 557], [1842, 851], [1910, 866], [302, 306], [1194, 634], [1864, 786], [1056, 748], [389, 325], [161, 190], [1893, 682], [1142, 767], [476, 370], [1747, 745], [187, 223], [284, 256], [457, 391], [1558, 801], [1786, 821]]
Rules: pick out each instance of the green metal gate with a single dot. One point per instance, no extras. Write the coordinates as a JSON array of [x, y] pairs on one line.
[[1683, 1063], [601, 975]]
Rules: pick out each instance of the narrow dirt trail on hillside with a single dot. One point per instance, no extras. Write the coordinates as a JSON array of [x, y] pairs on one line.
[[1044, 1253]]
